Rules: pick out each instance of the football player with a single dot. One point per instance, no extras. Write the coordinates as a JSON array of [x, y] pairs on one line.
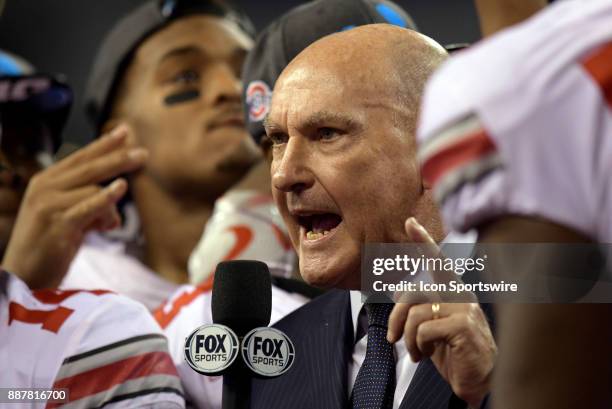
[[94, 348], [516, 140]]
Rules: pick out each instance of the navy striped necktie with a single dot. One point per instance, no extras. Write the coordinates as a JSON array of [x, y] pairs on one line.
[[375, 384]]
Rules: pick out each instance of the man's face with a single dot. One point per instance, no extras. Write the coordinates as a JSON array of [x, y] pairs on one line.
[[181, 94], [21, 156], [344, 170]]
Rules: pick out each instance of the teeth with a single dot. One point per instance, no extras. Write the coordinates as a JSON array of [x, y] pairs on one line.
[[311, 235]]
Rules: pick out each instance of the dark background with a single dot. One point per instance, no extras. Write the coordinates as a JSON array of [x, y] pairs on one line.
[[62, 36]]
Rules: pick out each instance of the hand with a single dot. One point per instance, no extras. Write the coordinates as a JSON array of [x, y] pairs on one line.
[[64, 202], [459, 341]]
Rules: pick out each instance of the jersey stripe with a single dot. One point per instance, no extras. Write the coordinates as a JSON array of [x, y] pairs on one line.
[[168, 386], [145, 392], [108, 376], [113, 346], [97, 358], [599, 67], [461, 143]]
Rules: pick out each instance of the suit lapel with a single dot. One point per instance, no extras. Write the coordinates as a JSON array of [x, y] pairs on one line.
[[332, 345], [428, 390], [322, 334]]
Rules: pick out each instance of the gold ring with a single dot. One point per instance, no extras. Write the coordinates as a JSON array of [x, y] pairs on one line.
[[435, 310]]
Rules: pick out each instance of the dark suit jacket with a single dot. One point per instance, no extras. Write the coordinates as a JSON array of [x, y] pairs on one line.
[[322, 332]]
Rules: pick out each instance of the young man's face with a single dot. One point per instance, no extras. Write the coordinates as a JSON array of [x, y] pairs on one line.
[[181, 95]]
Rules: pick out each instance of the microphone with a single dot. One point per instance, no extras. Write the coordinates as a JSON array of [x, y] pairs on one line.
[[241, 308], [242, 295], [242, 301]]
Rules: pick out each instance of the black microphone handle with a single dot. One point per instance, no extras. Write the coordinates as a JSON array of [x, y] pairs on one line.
[[237, 386]]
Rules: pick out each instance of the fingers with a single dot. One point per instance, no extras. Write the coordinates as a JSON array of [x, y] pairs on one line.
[[396, 322], [86, 212], [67, 199], [102, 160], [416, 323], [431, 332], [430, 249], [99, 147], [109, 220], [418, 234], [103, 168], [419, 314]]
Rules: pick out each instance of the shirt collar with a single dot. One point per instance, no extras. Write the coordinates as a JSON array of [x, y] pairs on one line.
[[356, 306]]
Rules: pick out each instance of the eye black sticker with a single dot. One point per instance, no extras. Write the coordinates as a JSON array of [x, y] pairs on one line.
[[181, 97]]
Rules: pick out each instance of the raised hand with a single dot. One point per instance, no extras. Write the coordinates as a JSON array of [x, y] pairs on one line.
[[64, 202]]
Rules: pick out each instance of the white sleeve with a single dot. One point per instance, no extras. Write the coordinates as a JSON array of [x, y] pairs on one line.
[[539, 145], [118, 357]]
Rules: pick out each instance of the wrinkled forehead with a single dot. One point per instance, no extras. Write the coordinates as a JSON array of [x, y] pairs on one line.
[[308, 87]]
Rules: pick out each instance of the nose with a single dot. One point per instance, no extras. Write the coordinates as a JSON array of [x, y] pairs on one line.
[[223, 85], [291, 172], [8, 176], [13, 174]]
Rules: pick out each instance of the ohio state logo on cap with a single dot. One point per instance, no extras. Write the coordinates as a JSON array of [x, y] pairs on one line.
[[258, 97]]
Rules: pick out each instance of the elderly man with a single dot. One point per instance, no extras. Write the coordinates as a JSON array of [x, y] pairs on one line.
[[344, 172]]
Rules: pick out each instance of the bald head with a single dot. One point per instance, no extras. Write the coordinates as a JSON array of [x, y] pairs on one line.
[[382, 60]]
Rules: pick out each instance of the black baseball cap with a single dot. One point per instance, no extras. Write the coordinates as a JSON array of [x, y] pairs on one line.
[[32, 100], [124, 38], [287, 36]]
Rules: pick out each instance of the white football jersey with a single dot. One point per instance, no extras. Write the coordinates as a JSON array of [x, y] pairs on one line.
[[521, 123], [190, 308], [245, 225], [104, 263], [105, 349]]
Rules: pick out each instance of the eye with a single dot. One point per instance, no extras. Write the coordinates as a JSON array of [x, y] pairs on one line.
[[277, 138], [186, 77], [326, 133]]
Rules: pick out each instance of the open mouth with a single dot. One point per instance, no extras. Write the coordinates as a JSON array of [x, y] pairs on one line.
[[317, 226]]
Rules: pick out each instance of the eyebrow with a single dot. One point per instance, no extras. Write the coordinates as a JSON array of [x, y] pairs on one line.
[[192, 49], [179, 52], [316, 120], [320, 117]]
